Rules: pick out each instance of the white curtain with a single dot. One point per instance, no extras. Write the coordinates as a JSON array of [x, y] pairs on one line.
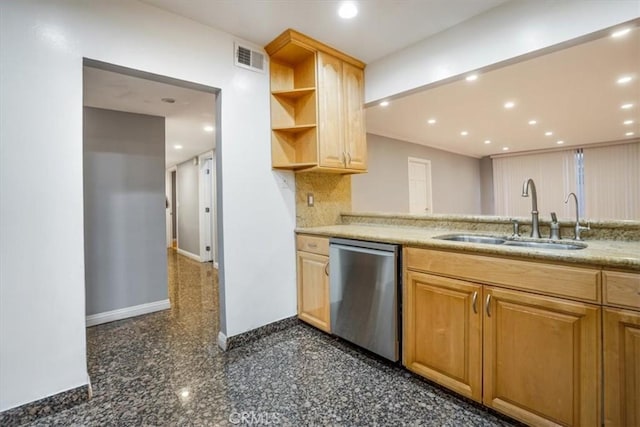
[[554, 174], [612, 182]]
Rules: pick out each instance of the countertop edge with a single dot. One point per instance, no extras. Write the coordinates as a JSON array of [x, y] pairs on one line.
[[575, 257]]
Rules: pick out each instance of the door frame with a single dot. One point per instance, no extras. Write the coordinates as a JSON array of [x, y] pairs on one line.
[[207, 227], [427, 163], [169, 195]]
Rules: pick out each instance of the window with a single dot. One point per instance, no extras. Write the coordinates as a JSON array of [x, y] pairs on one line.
[[606, 180]]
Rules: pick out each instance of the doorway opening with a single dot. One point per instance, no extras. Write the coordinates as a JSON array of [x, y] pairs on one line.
[[146, 140]]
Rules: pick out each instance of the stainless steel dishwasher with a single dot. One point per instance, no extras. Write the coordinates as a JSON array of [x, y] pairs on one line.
[[365, 288]]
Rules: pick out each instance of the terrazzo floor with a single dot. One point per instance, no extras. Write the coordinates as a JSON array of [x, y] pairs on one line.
[[165, 369]]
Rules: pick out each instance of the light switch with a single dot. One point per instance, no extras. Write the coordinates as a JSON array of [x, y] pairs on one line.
[[310, 200]]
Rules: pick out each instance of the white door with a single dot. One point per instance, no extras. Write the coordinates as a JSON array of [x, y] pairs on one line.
[[206, 210], [420, 186]]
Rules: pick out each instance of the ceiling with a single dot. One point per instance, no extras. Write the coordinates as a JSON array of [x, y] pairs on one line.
[[185, 120], [571, 92], [381, 27]]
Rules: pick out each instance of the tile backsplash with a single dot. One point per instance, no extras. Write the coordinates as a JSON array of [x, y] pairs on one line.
[[332, 196]]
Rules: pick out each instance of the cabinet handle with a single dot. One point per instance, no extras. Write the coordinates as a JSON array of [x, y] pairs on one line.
[[474, 302], [487, 305], [312, 245], [349, 158], [326, 269]]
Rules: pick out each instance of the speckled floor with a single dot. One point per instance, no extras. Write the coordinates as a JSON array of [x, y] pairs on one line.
[[165, 369]]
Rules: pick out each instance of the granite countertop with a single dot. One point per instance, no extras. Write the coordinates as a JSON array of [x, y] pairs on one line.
[[599, 253]]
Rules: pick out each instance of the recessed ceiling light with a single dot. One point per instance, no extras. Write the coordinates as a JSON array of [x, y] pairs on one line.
[[471, 77], [505, 148], [533, 122], [487, 141], [431, 121], [464, 133], [629, 134], [384, 103], [620, 33], [347, 10], [627, 122], [626, 106], [560, 142], [509, 104], [178, 147], [624, 79], [548, 133], [168, 100], [208, 128]]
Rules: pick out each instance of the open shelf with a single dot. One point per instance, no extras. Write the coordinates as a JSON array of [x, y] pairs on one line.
[[295, 93], [294, 129]]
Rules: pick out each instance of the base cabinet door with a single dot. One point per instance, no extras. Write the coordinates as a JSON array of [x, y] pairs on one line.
[[313, 289], [443, 332], [541, 358], [621, 367]]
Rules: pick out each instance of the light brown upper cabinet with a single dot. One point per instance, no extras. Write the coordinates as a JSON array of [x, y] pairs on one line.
[[317, 113]]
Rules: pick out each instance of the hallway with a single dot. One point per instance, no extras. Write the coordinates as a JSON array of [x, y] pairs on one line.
[[165, 369]]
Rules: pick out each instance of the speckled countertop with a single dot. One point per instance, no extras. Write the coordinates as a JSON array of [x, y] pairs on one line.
[[617, 254]]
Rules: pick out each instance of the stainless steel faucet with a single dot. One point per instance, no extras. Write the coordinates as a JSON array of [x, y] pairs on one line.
[[577, 227], [535, 226]]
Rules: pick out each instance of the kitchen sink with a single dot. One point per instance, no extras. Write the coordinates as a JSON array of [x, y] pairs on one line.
[[546, 245], [494, 240], [472, 238]]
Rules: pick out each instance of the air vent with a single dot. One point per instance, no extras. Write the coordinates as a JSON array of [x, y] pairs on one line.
[[250, 59]]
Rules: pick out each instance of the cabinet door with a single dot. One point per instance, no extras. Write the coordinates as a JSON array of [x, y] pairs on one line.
[[621, 368], [330, 121], [313, 290], [541, 358], [355, 139], [442, 332]]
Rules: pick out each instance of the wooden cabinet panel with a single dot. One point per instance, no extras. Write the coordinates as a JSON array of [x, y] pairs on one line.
[[541, 358], [313, 290], [621, 289], [572, 282], [330, 111], [317, 245], [317, 112], [621, 367], [355, 140], [442, 332]]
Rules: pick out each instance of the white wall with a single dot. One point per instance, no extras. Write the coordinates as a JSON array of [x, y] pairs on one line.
[[188, 201], [512, 29], [42, 307]]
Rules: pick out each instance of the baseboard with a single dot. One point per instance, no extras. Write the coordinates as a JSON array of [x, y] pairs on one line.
[[189, 255], [124, 313], [222, 341]]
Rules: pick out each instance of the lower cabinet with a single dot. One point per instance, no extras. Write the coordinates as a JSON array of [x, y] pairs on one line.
[[541, 358], [313, 289], [443, 332], [621, 367], [533, 357]]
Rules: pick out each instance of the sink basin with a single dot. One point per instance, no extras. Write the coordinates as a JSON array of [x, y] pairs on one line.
[[472, 238], [493, 240], [546, 245]]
